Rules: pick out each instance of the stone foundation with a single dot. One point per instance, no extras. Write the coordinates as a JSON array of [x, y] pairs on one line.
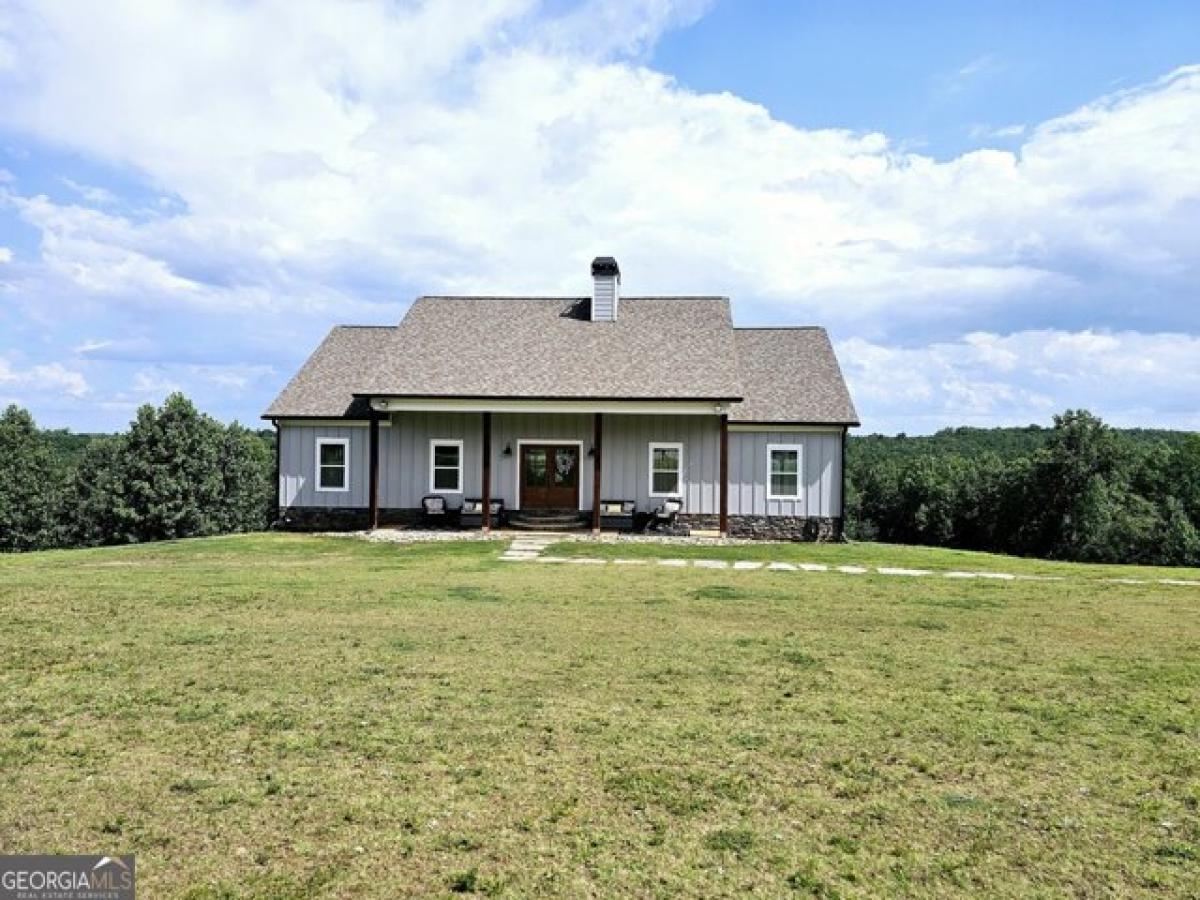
[[786, 528], [700, 521], [769, 528]]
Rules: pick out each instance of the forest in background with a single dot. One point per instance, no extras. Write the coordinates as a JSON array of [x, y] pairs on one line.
[[1076, 490], [1079, 490]]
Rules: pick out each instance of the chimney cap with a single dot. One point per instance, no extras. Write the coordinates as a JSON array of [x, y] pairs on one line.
[[605, 265]]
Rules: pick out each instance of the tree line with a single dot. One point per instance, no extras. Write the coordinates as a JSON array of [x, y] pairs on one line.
[[1078, 491], [174, 473]]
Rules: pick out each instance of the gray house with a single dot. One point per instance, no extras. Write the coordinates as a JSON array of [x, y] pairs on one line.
[[584, 407]]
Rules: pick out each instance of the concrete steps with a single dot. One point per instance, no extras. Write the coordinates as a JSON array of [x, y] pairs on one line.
[[547, 520]]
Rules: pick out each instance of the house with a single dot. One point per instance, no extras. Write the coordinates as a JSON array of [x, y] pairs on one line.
[[579, 404]]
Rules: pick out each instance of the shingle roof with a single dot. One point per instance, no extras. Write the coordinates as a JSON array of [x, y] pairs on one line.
[[791, 375], [658, 348], [325, 385]]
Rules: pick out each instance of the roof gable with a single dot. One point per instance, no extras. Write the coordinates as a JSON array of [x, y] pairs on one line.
[[791, 375], [658, 348]]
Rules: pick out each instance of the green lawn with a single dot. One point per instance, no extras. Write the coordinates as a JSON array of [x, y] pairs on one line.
[[287, 716]]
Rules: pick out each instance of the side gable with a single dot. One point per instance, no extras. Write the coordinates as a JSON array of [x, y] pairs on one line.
[[327, 382], [791, 375]]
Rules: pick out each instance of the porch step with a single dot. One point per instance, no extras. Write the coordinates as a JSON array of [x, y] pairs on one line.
[[547, 520]]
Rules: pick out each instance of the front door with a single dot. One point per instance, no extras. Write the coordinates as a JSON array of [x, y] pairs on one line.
[[549, 476]]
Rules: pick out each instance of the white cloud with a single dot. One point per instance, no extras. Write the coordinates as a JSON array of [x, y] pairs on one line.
[[6, 254], [154, 384], [460, 156], [91, 193], [44, 379], [980, 132], [1130, 378]]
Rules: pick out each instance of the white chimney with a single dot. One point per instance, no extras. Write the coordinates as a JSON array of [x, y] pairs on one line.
[[606, 289]]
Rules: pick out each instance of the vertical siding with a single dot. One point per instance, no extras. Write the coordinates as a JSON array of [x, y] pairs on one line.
[[298, 465], [626, 474], [821, 481], [405, 457], [509, 428], [404, 461]]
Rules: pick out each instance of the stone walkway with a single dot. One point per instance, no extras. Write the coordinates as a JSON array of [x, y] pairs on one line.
[[530, 548]]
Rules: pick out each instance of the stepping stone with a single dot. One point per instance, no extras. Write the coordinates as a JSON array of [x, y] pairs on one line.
[[852, 570], [1183, 582], [629, 562], [711, 564], [890, 570], [781, 567], [961, 575], [999, 576], [676, 563], [814, 567], [747, 564]]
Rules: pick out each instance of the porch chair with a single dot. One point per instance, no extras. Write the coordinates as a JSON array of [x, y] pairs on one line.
[[663, 517], [433, 511]]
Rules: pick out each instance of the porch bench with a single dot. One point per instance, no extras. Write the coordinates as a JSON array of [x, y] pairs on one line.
[[471, 514], [617, 514]]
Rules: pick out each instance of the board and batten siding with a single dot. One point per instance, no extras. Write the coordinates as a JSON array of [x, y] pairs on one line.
[[298, 465], [625, 473], [531, 428], [821, 457], [404, 461]]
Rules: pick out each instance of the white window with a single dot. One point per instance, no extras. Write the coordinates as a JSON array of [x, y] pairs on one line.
[[445, 466], [333, 464], [783, 471], [666, 470]]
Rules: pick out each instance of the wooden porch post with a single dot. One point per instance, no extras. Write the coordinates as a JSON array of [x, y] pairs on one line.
[[723, 521], [373, 514], [597, 436], [487, 472]]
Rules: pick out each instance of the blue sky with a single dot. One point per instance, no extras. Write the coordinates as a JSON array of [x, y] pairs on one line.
[[992, 206]]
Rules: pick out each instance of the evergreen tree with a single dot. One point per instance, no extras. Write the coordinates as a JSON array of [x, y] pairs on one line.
[[247, 466], [30, 483]]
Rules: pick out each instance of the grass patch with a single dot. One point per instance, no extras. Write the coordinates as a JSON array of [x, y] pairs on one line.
[[290, 716], [719, 592]]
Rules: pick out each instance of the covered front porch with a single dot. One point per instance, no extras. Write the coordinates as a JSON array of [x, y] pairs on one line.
[[511, 458]]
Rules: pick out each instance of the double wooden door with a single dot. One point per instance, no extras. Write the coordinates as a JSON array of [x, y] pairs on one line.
[[549, 476]]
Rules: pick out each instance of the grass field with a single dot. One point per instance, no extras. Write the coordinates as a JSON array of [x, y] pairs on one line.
[[286, 716]]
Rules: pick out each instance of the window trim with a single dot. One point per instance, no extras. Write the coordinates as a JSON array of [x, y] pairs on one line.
[[434, 443], [664, 445], [344, 442], [798, 449]]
